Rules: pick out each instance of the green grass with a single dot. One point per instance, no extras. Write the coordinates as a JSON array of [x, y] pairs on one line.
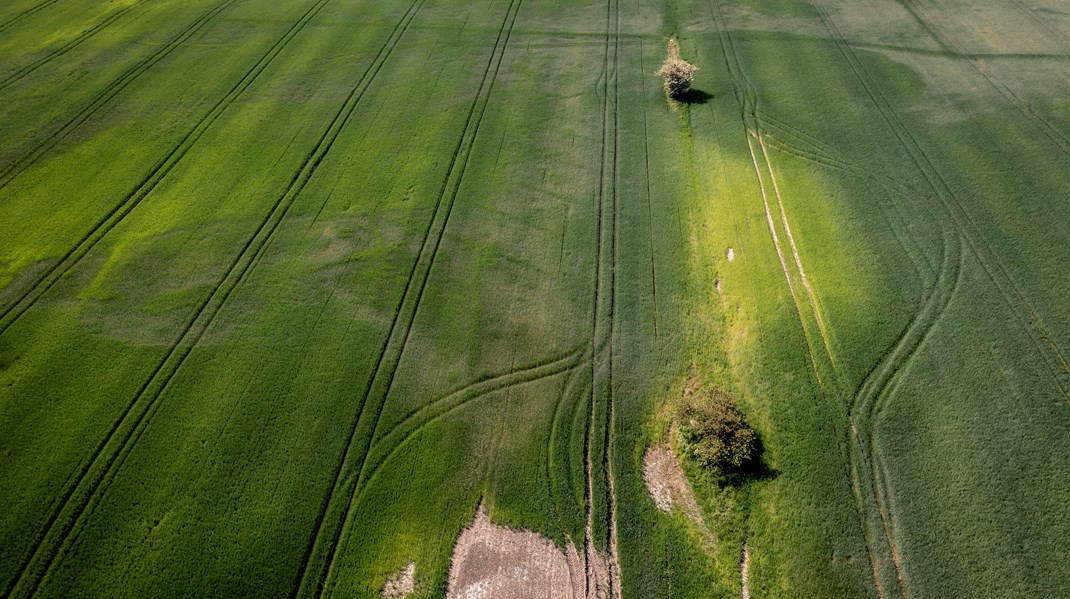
[[286, 290]]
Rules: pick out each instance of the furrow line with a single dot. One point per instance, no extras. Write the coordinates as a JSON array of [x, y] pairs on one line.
[[78, 40], [22, 15], [318, 565], [151, 181], [17, 167], [136, 417]]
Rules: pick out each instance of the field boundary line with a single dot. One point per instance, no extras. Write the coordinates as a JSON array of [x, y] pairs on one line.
[[152, 180], [20, 72], [101, 469], [315, 578], [22, 15], [19, 165]]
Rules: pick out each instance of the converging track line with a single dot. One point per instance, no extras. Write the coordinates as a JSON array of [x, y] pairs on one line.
[[78, 40], [152, 180], [26, 13], [317, 570], [112, 452], [17, 167]]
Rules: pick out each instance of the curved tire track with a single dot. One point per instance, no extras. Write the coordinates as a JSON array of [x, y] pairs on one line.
[[314, 578], [875, 392], [1025, 314], [410, 427]]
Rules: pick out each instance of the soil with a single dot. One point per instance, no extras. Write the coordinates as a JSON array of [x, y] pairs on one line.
[[491, 561], [668, 485], [401, 584]]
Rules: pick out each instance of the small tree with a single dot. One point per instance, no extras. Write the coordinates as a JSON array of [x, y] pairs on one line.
[[716, 437], [677, 72]]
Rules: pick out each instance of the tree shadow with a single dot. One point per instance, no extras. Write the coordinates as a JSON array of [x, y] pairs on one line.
[[695, 96], [755, 469]]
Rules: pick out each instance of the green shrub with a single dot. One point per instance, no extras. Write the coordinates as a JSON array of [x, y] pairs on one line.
[[715, 436]]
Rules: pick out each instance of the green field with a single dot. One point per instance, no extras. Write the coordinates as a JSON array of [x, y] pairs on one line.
[[288, 288]]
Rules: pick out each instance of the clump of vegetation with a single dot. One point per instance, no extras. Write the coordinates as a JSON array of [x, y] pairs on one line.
[[677, 72], [715, 436]]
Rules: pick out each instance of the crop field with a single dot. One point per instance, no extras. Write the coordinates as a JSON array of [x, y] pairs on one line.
[[294, 293]]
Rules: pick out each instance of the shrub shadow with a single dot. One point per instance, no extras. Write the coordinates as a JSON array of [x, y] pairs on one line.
[[694, 96]]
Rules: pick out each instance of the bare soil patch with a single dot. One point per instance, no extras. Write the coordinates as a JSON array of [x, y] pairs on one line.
[[668, 485], [491, 561], [401, 584]]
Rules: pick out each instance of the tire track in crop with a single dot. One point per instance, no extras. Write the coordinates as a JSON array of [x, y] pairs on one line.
[[649, 200], [823, 362], [1052, 30], [880, 384], [602, 325], [955, 46], [26, 13], [747, 100], [572, 395], [17, 167], [814, 306], [317, 566], [1025, 314], [966, 231], [400, 434], [151, 181], [110, 455], [78, 40]]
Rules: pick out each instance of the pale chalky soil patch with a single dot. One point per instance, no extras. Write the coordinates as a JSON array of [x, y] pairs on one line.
[[491, 561], [668, 485], [401, 584]]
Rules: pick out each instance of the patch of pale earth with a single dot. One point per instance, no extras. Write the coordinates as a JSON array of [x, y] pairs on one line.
[[731, 255], [668, 485], [744, 570], [401, 584], [491, 561]]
